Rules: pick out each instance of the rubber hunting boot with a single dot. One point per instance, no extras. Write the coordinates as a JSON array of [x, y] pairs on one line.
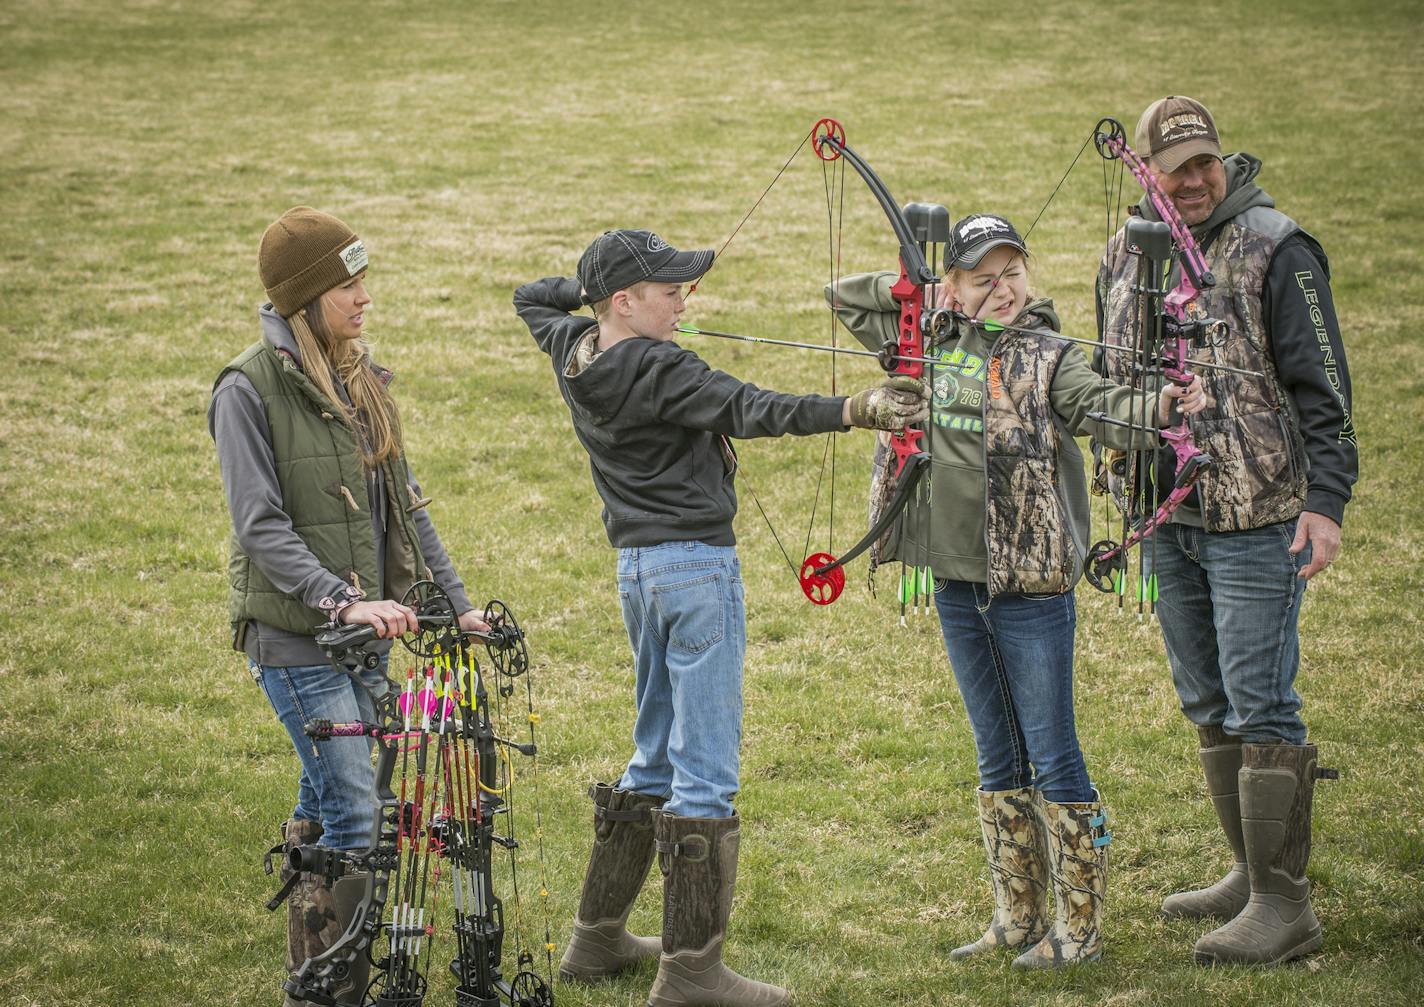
[[601, 945], [1078, 871], [1221, 762], [1018, 871], [698, 858], [1278, 924]]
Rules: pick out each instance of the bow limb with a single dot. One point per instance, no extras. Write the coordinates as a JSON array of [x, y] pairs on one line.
[[913, 471]]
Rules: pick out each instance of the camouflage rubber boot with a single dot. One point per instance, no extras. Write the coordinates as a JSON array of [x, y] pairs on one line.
[[601, 945], [325, 917], [698, 858], [1078, 869], [296, 832], [1221, 761], [1278, 924], [1018, 872]]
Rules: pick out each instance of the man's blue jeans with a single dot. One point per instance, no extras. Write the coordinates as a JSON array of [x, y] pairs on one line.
[[1013, 659], [1229, 605], [338, 782], [686, 620]]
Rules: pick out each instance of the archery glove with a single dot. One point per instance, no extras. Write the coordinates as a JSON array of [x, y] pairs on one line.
[[893, 404]]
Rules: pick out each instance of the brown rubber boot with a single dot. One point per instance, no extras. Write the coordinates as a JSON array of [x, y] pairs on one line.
[[1018, 872], [1221, 761], [1278, 924], [601, 945], [1078, 869], [698, 858]]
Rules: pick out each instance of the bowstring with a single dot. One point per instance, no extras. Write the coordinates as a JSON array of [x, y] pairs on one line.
[[747, 216], [833, 184], [835, 193]]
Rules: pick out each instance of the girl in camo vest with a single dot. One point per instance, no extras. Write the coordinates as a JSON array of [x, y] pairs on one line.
[[328, 526], [1005, 538]]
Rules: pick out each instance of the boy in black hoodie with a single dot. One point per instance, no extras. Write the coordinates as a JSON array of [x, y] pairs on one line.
[[656, 422]]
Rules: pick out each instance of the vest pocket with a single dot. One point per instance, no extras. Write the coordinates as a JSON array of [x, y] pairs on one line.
[[1029, 544]]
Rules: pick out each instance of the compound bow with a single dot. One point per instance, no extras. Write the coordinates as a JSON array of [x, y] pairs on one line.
[[1166, 323], [917, 227], [456, 781]]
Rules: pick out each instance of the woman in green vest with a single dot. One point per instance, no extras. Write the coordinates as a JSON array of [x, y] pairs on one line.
[[328, 526], [1005, 538]]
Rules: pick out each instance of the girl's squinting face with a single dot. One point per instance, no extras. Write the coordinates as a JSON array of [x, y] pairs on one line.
[[996, 289], [344, 308]]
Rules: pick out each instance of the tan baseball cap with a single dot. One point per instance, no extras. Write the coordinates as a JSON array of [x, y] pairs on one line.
[[1174, 130]]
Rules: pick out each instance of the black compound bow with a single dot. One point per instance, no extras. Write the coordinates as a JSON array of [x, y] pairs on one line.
[[445, 801]]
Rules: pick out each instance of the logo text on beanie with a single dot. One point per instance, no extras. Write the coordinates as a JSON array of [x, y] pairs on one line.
[[354, 256]]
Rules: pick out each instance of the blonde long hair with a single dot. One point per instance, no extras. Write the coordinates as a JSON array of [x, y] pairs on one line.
[[327, 360]]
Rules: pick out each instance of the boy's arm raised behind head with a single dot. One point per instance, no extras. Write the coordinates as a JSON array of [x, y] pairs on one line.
[[546, 306]]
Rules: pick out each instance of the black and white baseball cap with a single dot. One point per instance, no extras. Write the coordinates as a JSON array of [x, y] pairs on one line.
[[975, 236], [618, 259]]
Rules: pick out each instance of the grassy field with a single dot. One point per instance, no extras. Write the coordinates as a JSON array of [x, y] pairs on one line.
[[476, 146]]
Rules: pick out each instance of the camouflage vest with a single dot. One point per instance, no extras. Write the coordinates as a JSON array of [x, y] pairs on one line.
[[1028, 528], [1250, 431], [324, 491]]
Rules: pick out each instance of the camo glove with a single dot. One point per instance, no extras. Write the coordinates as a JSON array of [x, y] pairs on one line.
[[893, 404]]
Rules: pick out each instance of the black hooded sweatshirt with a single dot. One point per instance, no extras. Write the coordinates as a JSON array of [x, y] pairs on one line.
[[655, 421]]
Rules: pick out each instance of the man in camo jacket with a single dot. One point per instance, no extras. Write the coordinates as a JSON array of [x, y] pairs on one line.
[[1233, 563]]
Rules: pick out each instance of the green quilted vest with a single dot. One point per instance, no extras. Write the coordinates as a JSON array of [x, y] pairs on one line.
[[324, 491]]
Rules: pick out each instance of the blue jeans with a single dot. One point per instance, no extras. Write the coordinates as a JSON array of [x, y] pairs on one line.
[[1229, 605], [1013, 659], [686, 620], [338, 782]]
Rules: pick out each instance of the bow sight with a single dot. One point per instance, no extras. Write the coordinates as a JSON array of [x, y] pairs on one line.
[[436, 826]]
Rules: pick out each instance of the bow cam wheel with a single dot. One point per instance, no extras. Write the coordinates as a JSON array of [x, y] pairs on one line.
[[436, 614], [828, 130], [506, 648], [528, 990], [821, 588], [1106, 566], [1109, 137]]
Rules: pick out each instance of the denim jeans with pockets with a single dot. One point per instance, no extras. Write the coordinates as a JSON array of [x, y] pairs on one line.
[[1229, 605], [337, 786], [1012, 656], [685, 615]]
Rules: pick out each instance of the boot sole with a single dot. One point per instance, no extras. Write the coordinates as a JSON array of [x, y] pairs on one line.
[[1305, 947], [1224, 917]]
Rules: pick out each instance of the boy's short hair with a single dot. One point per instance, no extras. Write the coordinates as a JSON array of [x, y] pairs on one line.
[[600, 308], [617, 260]]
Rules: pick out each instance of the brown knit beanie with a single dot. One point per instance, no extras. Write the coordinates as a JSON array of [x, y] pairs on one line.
[[304, 254]]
